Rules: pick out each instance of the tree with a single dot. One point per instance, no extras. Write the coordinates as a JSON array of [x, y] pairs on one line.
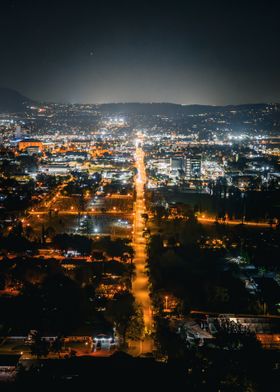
[[80, 243], [17, 229], [62, 299], [29, 232], [160, 212], [168, 343], [145, 216], [128, 253], [234, 336], [39, 346], [136, 326], [57, 345], [120, 311], [50, 232], [218, 296], [15, 243], [115, 249], [118, 248]]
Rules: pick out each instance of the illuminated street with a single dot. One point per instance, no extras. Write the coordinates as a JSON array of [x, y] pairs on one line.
[[140, 284], [234, 222]]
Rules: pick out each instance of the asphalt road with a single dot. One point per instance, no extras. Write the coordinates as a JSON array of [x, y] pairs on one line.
[[140, 285]]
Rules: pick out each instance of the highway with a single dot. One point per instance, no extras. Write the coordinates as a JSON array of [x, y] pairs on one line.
[[140, 284]]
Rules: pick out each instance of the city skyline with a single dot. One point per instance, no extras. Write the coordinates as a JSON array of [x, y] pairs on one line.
[[139, 195]]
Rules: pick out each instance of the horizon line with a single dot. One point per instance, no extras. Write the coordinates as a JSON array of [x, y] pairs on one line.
[[138, 102]]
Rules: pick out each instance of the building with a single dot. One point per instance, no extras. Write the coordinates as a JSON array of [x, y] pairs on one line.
[[8, 367], [176, 165], [33, 150], [193, 167], [57, 169], [191, 331], [77, 155], [18, 132], [30, 144]]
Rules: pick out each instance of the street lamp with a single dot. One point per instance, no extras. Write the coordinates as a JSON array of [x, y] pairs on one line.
[[166, 302]]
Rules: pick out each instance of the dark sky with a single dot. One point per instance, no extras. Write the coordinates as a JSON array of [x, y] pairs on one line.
[[215, 52]]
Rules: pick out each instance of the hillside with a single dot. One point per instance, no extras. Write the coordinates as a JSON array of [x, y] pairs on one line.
[[12, 101], [172, 109]]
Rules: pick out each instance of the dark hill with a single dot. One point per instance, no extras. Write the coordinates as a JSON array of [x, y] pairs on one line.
[[12, 101], [171, 108]]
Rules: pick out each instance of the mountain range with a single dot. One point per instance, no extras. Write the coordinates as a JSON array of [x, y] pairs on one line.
[[11, 101]]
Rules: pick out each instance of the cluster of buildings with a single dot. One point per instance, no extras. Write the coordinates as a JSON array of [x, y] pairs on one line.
[[193, 164]]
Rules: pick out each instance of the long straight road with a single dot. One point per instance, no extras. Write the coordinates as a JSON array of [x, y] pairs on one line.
[[140, 284], [235, 222]]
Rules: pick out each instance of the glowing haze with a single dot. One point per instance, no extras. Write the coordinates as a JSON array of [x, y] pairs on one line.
[[196, 52]]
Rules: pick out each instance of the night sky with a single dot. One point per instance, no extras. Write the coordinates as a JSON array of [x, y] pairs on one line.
[[212, 52]]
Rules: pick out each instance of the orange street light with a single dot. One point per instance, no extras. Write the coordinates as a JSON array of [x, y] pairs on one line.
[[166, 302]]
